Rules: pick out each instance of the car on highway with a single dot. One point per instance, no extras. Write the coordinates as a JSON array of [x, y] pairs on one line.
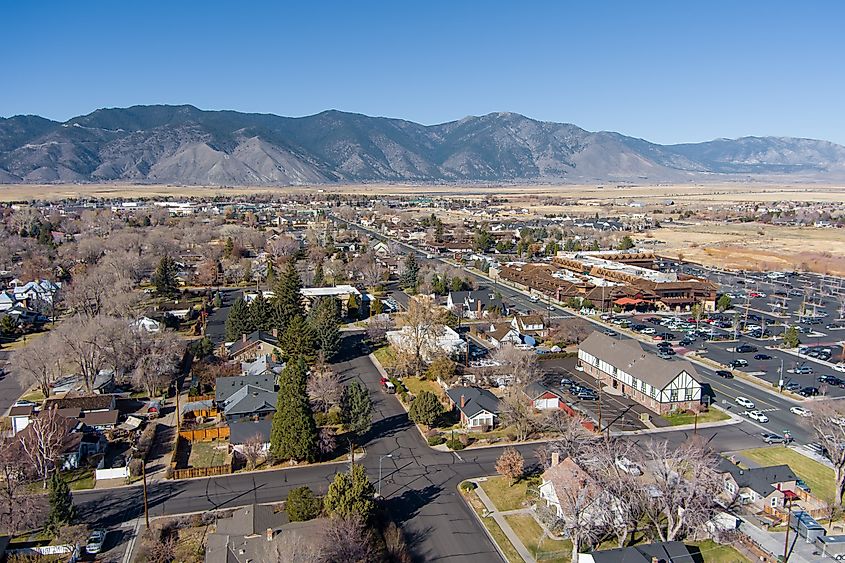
[[95, 542], [808, 392], [800, 411], [724, 373], [739, 363], [762, 357], [535, 299], [770, 438], [757, 416], [743, 402]]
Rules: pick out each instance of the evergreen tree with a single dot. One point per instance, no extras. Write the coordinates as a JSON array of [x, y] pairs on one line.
[[164, 278], [790, 338], [260, 314], [218, 301], [229, 248], [356, 408], [271, 273], [293, 434], [408, 279], [319, 276], [425, 409], [350, 494], [62, 511], [239, 321], [287, 295], [594, 246], [626, 243], [325, 325], [438, 285], [297, 339]]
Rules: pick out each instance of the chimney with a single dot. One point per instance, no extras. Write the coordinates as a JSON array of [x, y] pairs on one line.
[[463, 401], [555, 458], [275, 332], [269, 534], [243, 338]]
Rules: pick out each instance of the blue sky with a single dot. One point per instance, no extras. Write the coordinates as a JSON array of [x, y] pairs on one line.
[[664, 71]]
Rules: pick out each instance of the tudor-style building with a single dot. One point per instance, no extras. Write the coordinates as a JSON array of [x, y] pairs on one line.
[[659, 385]]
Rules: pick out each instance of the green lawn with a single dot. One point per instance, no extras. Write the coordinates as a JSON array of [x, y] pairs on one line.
[[207, 454], [498, 535], [79, 479], [817, 476], [506, 497], [35, 396], [678, 419], [385, 356], [711, 552], [542, 547], [416, 386]]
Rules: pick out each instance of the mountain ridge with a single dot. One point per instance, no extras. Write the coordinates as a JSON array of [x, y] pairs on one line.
[[181, 144]]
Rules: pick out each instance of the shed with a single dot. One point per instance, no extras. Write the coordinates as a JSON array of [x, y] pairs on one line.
[[831, 546], [806, 526]]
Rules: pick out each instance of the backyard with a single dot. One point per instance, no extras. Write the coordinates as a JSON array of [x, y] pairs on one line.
[[208, 454]]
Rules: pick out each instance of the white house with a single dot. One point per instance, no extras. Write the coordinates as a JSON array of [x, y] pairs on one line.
[[441, 341]]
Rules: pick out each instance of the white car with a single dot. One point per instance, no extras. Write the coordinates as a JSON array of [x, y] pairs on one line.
[[839, 367], [745, 403], [757, 415], [95, 541], [648, 330], [800, 411]]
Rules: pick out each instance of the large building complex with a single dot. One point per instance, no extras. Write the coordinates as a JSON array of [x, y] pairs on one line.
[[612, 278]]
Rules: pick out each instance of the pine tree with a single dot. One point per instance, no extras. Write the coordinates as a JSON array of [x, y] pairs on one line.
[[62, 511], [164, 278], [229, 248], [319, 276], [271, 273], [356, 408], [287, 294], [260, 313], [408, 279], [325, 325], [239, 321], [297, 339], [293, 435], [350, 494]]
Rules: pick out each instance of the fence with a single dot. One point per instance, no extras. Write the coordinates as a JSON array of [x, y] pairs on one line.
[[192, 472], [181, 455], [115, 473], [205, 434]]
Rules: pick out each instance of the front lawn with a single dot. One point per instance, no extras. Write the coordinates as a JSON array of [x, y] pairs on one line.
[[79, 479], [208, 454], [712, 552], [386, 357], [817, 476], [542, 547], [493, 528], [679, 419], [506, 497], [416, 386]]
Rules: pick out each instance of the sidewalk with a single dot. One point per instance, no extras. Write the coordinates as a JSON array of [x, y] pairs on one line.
[[499, 517]]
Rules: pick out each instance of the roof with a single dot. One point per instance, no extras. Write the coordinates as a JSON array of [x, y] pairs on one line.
[[759, 479], [538, 388], [252, 339], [329, 291], [101, 418], [225, 387], [250, 400], [475, 400], [261, 365], [24, 410], [241, 431], [86, 403], [665, 552], [627, 355], [231, 548], [251, 520]]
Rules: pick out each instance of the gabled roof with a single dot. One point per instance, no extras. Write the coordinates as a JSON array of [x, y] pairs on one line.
[[664, 552], [84, 404], [761, 480], [225, 387], [250, 400], [252, 339], [251, 521], [538, 388], [243, 430], [627, 355], [475, 400], [261, 366]]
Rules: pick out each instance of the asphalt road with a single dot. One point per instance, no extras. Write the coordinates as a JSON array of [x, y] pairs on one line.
[[10, 387]]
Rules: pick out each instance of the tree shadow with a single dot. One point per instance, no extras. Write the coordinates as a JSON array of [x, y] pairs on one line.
[[406, 506]]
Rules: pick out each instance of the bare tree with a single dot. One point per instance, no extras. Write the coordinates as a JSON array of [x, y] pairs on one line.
[[684, 488], [252, 450], [626, 509], [282, 246], [423, 325], [158, 361], [42, 441], [88, 343], [516, 412], [19, 510], [348, 539], [572, 440], [378, 326], [371, 270], [828, 422], [37, 363], [323, 386], [510, 464], [516, 363]]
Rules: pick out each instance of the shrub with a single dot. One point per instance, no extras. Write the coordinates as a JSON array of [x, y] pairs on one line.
[[302, 505], [468, 486], [135, 466], [436, 440], [334, 416], [455, 445], [321, 418], [464, 440], [431, 433]]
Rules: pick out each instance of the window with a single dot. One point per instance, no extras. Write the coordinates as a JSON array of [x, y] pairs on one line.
[[774, 501], [673, 395]]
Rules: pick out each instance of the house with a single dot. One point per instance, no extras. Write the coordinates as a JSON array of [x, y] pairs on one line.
[[660, 385], [7, 301], [542, 397], [767, 489], [20, 415], [246, 396], [347, 296], [262, 365], [76, 444], [661, 552], [244, 430], [35, 293], [257, 533], [479, 408], [502, 334], [253, 345], [529, 325], [566, 484], [445, 341], [103, 383], [475, 304], [84, 404]]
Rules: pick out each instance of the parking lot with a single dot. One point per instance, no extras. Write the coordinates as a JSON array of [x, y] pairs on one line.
[[617, 411]]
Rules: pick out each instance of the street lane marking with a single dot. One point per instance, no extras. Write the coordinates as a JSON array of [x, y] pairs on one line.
[[457, 456]]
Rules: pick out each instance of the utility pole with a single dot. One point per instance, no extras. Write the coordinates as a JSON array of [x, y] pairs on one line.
[[146, 505], [788, 525]]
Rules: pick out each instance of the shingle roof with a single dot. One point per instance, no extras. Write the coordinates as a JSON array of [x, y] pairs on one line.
[[475, 400], [627, 355], [537, 388], [87, 403], [253, 338], [665, 552], [250, 400], [241, 431], [251, 520], [225, 387], [758, 479]]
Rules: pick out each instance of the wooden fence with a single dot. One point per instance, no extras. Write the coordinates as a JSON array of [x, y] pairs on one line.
[[205, 434], [192, 472]]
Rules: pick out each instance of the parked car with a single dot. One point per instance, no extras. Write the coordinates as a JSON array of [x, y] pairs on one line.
[[829, 379], [803, 370], [808, 392], [566, 382], [739, 363], [95, 541], [626, 465], [770, 438], [724, 373], [586, 394], [757, 416], [648, 330], [762, 357], [743, 402], [745, 348], [792, 386], [800, 411]]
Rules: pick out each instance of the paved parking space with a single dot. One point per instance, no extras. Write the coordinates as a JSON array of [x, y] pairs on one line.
[[621, 413]]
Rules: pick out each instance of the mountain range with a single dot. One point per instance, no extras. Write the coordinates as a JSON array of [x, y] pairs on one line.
[[184, 145]]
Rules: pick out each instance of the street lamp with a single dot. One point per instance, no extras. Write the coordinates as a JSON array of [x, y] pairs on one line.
[[381, 457]]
